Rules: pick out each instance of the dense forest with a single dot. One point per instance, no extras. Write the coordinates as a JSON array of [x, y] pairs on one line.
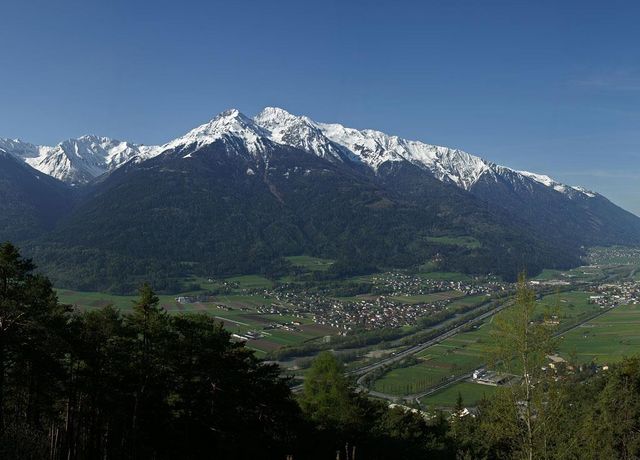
[[101, 384]]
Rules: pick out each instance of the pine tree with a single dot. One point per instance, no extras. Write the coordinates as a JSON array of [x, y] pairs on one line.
[[31, 347]]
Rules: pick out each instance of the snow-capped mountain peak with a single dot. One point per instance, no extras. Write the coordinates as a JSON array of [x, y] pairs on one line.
[[374, 148], [77, 161], [228, 124], [370, 147], [273, 117], [20, 148], [80, 160], [300, 132]]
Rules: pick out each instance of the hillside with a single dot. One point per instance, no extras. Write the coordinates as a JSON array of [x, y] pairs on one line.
[[221, 210], [30, 202], [237, 194]]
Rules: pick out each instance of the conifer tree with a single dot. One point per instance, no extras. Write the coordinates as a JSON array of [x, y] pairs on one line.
[[31, 346]]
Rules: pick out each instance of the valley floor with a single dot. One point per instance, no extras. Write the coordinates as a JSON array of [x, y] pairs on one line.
[[381, 318]]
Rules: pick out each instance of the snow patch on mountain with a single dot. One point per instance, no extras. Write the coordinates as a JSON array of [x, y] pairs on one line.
[[584, 191], [557, 186], [545, 180]]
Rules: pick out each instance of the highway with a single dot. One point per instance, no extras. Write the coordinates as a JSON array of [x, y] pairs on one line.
[[466, 376], [362, 372]]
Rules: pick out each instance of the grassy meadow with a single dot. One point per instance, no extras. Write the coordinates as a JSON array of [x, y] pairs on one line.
[[471, 393], [469, 350], [606, 339]]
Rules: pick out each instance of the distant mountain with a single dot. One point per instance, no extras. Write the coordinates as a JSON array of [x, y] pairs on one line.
[[556, 212], [77, 161], [30, 202], [237, 194]]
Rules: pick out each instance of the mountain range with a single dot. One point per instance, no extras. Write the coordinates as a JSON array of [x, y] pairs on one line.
[[237, 194]]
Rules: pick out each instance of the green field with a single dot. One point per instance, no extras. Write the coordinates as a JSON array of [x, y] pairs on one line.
[[569, 306], [606, 339], [469, 350], [251, 282], [238, 311], [89, 300], [585, 273], [471, 394], [548, 274], [309, 263], [457, 355], [410, 380], [467, 302], [243, 300]]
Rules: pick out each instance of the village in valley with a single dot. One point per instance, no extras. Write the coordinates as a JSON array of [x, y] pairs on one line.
[[378, 324]]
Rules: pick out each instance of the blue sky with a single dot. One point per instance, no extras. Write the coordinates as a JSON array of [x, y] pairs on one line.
[[548, 86]]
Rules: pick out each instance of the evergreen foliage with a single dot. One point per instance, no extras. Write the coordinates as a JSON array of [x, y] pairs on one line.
[[147, 385]]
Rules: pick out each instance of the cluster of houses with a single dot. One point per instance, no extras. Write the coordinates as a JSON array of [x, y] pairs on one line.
[[366, 313], [556, 366], [373, 311], [293, 326], [248, 335], [378, 310], [613, 294], [560, 368], [280, 310], [551, 283], [402, 284]]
